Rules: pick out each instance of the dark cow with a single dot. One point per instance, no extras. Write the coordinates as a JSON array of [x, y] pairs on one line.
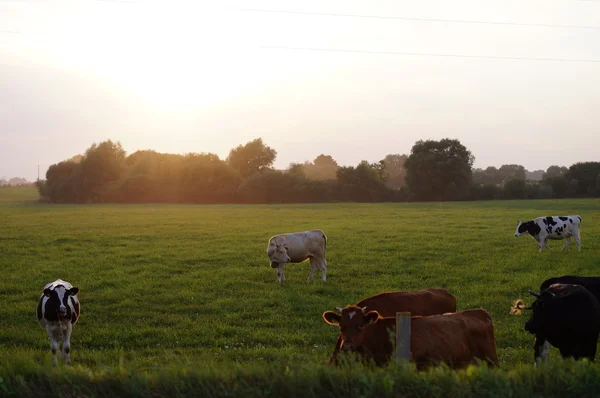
[[591, 283], [58, 311], [551, 227], [418, 302], [457, 339], [567, 317]]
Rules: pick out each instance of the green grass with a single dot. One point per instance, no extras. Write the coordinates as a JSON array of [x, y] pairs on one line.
[[190, 287], [18, 196]]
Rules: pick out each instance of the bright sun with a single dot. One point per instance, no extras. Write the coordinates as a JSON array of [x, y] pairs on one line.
[[172, 56]]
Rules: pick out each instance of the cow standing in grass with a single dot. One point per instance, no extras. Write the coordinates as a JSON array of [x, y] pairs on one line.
[[566, 316], [418, 302], [296, 247], [457, 339], [58, 311], [551, 227]]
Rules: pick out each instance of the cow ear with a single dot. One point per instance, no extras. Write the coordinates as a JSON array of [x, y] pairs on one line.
[[47, 292], [74, 291], [331, 318], [371, 317]]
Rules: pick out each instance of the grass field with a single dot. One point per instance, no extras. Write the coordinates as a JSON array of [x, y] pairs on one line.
[[190, 286]]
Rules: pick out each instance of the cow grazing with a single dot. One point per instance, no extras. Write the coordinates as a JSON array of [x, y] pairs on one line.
[[551, 227], [296, 247], [457, 339], [419, 302], [58, 311], [567, 317], [591, 283]]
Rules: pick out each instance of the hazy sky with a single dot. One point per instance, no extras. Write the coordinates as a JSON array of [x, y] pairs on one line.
[[180, 77]]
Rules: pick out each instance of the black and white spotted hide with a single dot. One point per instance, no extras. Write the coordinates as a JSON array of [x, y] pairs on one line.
[[58, 311], [551, 227]]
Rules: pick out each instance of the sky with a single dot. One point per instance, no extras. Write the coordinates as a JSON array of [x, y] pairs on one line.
[[353, 79]]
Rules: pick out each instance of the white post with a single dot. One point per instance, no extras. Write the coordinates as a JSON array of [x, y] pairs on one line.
[[403, 335]]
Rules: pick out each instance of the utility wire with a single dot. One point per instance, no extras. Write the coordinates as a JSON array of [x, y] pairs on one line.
[[429, 54], [325, 14]]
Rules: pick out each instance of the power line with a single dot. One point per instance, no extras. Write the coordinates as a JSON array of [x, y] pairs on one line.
[[325, 14], [429, 54]]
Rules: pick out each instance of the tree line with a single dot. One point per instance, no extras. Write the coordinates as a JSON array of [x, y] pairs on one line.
[[433, 171]]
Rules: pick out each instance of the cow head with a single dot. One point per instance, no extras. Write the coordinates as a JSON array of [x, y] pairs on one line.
[[524, 227], [58, 298], [351, 321], [536, 322], [521, 228], [278, 252]]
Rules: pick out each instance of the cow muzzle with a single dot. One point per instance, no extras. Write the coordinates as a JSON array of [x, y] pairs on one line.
[[347, 345], [62, 311]]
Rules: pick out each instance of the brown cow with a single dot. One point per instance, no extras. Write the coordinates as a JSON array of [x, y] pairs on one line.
[[458, 339], [418, 302]]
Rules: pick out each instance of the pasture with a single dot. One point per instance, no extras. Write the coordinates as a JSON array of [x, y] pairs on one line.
[[190, 287]]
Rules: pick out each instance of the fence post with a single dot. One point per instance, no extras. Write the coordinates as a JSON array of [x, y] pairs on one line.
[[403, 335]]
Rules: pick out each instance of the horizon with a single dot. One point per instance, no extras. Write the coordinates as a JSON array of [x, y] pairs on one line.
[[515, 82]]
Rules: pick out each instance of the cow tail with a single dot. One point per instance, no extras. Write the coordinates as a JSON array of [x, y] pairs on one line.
[[325, 239]]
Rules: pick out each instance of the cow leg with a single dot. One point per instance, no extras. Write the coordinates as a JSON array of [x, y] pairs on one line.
[[567, 243], [314, 264], [323, 265], [542, 244], [578, 241], [280, 274], [66, 345], [54, 334], [541, 348], [338, 344]]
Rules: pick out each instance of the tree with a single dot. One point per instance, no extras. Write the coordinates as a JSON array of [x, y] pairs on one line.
[[395, 170], [296, 169], [207, 179], [323, 168], [558, 185], [439, 170], [103, 163], [511, 172], [251, 158], [489, 176], [62, 184], [555, 171], [362, 183], [586, 174], [514, 189], [536, 175]]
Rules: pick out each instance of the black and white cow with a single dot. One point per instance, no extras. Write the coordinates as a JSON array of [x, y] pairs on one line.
[[567, 317], [58, 311], [551, 227]]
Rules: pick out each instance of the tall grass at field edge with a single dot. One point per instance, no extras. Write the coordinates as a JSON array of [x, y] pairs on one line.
[[557, 378]]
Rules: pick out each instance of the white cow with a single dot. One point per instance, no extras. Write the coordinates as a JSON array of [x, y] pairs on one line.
[[296, 247], [552, 227], [58, 311]]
